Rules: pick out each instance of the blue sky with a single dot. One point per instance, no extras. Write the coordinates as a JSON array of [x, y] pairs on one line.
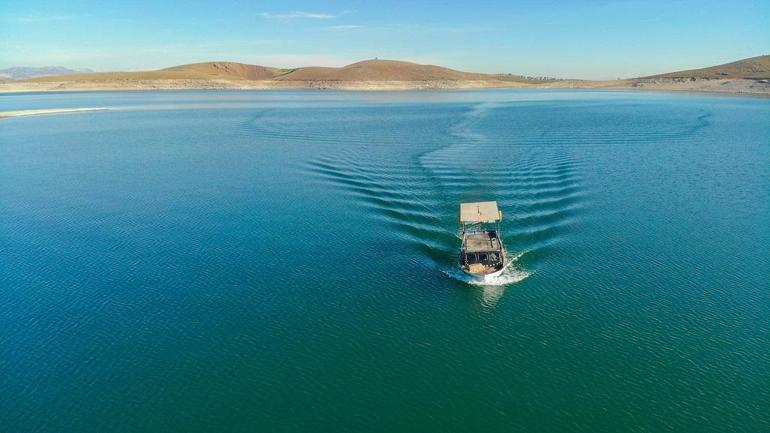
[[581, 39]]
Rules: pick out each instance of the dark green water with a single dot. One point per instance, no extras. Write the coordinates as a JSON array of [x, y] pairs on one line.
[[284, 262]]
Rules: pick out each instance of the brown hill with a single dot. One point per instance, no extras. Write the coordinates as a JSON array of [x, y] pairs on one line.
[[368, 70], [228, 70], [194, 71], [375, 70], [381, 70], [751, 68]]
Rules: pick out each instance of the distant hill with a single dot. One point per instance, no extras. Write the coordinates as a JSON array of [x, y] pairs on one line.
[[751, 68], [227, 70], [381, 70], [24, 72], [748, 76], [368, 70], [194, 71]]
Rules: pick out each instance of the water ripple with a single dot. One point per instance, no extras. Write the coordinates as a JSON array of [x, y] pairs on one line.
[[540, 192]]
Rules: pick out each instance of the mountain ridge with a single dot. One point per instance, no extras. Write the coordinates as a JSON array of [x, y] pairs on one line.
[[747, 76], [376, 70], [366, 70], [24, 72]]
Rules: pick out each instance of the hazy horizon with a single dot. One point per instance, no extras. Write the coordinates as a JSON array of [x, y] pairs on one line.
[[597, 39]]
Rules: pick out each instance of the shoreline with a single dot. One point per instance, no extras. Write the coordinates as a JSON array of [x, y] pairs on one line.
[[734, 87], [46, 111]]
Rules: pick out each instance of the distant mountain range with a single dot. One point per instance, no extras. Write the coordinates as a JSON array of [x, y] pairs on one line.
[[368, 70], [743, 76], [26, 72]]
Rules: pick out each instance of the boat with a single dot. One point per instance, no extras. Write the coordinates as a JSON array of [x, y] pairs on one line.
[[482, 254]]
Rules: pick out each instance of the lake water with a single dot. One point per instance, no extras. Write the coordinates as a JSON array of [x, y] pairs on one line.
[[284, 261]]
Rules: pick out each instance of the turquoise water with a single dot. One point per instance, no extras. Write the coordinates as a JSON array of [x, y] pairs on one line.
[[284, 262]]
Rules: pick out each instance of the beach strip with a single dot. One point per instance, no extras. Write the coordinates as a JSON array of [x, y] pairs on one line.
[[40, 112]]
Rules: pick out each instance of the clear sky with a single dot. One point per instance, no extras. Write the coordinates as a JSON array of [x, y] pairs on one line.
[[581, 39]]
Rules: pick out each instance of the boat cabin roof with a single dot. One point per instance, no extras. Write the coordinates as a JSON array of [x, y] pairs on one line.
[[480, 212], [481, 242]]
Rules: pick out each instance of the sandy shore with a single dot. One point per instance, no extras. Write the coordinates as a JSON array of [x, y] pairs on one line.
[[725, 86], [20, 113]]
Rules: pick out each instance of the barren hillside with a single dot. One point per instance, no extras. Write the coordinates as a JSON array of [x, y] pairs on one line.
[[751, 68], [194, 71], [382, 70]]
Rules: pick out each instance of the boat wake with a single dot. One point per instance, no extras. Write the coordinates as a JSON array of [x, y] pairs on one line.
[[411, 181], [511, 275]]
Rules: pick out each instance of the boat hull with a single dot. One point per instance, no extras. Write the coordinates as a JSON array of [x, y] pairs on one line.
[[486, 277]]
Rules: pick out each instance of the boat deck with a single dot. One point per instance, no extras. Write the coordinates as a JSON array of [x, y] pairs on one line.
[[483, 241]]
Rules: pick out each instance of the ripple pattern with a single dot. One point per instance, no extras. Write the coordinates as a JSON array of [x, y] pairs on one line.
[[418, 195], [486, 152]]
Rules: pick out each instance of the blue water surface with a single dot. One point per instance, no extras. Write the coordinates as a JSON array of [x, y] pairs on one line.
[[284, 261]]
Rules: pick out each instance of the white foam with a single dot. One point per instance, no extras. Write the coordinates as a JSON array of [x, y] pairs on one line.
[[511, 274]]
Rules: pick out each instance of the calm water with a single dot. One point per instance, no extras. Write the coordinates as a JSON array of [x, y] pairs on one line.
[[284, 262]]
